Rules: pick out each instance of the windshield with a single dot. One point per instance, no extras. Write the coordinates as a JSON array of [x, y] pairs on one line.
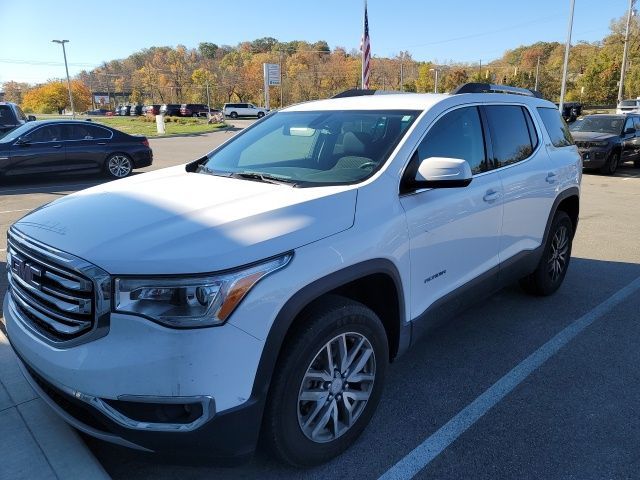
[[313, 148], [628, 103], [598, 124], [16, 132]]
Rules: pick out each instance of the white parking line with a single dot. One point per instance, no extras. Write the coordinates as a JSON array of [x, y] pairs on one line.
[[15, 211], [43, 187], [432, 446]]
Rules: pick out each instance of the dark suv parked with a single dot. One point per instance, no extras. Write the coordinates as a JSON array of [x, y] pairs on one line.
[[193, 109], [605, 141], [171, 109], [12, 116]]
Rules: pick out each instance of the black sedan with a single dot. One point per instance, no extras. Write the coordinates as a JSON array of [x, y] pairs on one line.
[[65, 146], [605, 141]]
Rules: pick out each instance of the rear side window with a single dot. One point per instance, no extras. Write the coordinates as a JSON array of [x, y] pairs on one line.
[[88, 132], [556, 127], [6, 115], [457, 134], [510, 135]]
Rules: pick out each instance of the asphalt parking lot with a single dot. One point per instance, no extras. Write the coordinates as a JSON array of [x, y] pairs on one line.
[[576, 416]]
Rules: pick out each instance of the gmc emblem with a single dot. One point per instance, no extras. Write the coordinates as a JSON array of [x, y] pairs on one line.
[[28, 273]]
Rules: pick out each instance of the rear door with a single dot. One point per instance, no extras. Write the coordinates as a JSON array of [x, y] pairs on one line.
[[42, 150], [86, 146], [527, 175]]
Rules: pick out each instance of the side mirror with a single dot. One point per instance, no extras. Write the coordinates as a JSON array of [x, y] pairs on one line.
[[22, 141], [443, 172], [31, 118], [629, 130]]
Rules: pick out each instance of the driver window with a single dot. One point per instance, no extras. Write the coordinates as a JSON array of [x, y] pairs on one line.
[[50, 133], [458, 134], [628, 124]]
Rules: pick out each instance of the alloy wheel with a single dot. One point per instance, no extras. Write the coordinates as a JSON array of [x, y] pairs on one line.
[[336, 387], [119, 166], [558, 254]]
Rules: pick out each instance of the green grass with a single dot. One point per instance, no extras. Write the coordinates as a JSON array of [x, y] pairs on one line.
[[146, 126]]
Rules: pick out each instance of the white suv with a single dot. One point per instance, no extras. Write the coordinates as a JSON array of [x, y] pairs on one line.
[[235, 110], [265, 288]]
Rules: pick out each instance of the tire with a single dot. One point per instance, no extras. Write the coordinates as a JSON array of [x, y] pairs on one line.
[[611, 166], [118, 165], [194, 115], [260, 114], [302, 432], [233, 115], [551, 270]]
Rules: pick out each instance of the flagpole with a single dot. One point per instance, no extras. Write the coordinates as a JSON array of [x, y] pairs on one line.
[[362, 53]]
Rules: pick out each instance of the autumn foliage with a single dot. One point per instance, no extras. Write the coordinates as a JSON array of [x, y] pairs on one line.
[[53, 97]]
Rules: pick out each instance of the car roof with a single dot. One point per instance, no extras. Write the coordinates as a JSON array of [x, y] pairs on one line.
[[413, 101], [65, 121]]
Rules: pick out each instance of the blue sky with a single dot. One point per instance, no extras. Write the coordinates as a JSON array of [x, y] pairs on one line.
[[441, 30]]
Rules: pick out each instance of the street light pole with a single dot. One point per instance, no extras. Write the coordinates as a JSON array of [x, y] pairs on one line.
[[537, 73], [566, 58], [623, 68], [64, 53]]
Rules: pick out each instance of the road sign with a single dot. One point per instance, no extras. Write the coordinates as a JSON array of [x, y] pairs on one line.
[[272, 74]]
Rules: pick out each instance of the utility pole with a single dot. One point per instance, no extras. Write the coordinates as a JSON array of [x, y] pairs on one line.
[[401, 72], [208, 102], [566, 57], [281, 87], [435, 88], [537, 73], [480, 70], [62, 42], [623, 68]]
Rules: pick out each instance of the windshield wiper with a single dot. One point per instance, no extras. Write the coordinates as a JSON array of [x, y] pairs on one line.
[[263, 177]]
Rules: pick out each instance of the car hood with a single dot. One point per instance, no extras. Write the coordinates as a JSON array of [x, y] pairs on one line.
[[592, 136], [171, 221]]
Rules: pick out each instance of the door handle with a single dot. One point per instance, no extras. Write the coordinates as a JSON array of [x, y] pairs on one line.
[[551, 177], [491, 196], [56, 146], [102, 143]]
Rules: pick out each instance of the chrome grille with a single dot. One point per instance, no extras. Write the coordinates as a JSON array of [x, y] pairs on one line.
[[55, 294]]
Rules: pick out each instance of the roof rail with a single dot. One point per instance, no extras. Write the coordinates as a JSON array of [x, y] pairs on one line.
[[474, 87], [357, 92]]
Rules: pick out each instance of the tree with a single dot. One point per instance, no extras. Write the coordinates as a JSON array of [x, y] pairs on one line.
[[53, 97], [208, 50], [13, 91]]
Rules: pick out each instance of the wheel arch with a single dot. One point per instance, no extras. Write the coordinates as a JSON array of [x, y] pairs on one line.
[[568, 201], [363, 282]]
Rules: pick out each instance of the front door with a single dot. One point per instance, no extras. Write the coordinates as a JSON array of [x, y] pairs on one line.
[[42, 150], [454, 232]]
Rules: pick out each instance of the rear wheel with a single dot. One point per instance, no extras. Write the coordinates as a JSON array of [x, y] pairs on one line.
[[233, 115], [549, 275], [327, 383], [611, 166], [260, 114], [118, 165]]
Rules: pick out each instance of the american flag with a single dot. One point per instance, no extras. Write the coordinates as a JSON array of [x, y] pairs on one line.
[[365, 47]]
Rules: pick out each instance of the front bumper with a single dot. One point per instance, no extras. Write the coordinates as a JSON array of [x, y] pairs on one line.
[[594, 157], [140, 361]]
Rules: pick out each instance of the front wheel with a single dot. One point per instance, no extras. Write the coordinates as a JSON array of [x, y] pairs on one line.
[[549, 275], [327, 383], [260, 114], [233, 115], [119, 165], [611, 166]]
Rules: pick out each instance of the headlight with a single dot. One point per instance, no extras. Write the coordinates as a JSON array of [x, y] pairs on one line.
[[190, 302]]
